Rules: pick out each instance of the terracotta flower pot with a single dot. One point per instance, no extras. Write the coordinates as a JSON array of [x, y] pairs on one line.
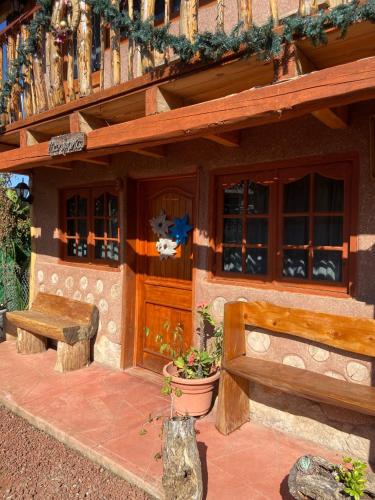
[[197, 394]]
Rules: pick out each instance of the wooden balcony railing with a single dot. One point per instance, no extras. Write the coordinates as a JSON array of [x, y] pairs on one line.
[[81, 53]]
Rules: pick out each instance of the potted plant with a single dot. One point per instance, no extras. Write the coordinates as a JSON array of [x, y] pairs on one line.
[[191, 376]]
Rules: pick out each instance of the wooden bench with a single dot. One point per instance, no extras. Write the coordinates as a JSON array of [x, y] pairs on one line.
[[356, 335], [70, 322]]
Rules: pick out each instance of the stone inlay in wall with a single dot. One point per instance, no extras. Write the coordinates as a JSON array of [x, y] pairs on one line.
[[59, 292], [356, 371], [103, 306], [77, 295], [294, 360], [115, 291], [90, 299], [258, 340], [99, 286], [69, 282], [333, 374], [318, 354], [40, 276], [42, 288], [107, 352], [83, 283], [54, 278], [111, 327], [242, 299], [218, 307]]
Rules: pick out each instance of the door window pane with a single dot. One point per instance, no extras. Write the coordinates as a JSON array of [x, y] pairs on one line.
[[82, 248], [328, 231], [99, 226], [99, 206], [112, 205], [71, 227], [296, 230], [257, 231], [329, 194], [256, 261], [82, 228], [232, 260], [297, 195], [112, 228], [71, 207], [72, 248], [327, 265], [99, 249], [112, 250], [257, 198], [233, 198], [295, 263], [82, 206], [232, 231]]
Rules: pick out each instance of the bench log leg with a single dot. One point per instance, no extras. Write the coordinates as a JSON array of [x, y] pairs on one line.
[[233, 405], [30, 343], [72, 357]]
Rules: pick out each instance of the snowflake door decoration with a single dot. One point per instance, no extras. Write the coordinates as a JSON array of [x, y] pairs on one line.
[[180, 229], [160, 225], [166, 248]]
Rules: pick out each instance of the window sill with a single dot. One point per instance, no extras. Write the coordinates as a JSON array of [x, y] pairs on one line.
[[90, 265], [281, 286]]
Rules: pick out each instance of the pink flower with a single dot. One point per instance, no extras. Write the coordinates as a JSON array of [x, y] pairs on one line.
[[191, 359]]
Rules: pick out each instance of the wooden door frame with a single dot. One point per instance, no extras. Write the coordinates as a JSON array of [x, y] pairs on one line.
[[132, 268]]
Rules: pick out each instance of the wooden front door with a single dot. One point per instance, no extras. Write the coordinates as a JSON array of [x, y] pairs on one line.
[[164, 285]]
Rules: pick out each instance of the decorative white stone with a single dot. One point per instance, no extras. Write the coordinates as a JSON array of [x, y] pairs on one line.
[[242, 299], [59, 292], [103, 306], [40, 276], [99, 286], [107, 352], [90, 299], [69, 282], [83, 283], [100, 326], [218, 306], [77, 295], [293, 360], [318, 354], [115, 291], [111, 327], [54, 278], [258, 340], [42, 288], [356, 371], [333, 374]]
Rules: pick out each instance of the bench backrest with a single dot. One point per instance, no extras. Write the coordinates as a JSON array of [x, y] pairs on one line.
[[80, 312], [342, 332]]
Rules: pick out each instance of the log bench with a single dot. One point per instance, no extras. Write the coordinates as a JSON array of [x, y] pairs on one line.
[[71, 322], [355, 335]]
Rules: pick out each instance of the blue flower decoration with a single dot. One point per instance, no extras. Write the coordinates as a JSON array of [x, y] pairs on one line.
[[180, 229]]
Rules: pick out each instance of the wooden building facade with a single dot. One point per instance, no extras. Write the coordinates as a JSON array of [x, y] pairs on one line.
[[266, 167]]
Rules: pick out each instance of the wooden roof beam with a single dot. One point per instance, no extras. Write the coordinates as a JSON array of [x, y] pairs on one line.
[[158, 100], [228, 139], [29, 137], [336, 118], [83, 122], [328, 88], [155, 152]]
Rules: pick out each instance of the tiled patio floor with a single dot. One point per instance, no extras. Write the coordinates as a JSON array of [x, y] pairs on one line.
[[100, 412]]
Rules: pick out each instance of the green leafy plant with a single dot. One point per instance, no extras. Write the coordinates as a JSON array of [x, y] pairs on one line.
[[351, 473], [194, 364]]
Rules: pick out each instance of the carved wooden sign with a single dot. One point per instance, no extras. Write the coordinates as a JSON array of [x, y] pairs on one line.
[[67, 143]]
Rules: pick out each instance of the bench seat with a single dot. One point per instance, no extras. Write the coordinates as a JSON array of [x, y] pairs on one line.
[[304, 383], [54, 327]]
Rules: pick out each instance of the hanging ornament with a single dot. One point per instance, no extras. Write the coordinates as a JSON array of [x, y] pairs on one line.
[[166, 248], [180, 229], [160, 225]]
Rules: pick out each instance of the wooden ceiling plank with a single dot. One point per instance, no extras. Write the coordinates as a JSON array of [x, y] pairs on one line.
[[328, 88], [228, 139]]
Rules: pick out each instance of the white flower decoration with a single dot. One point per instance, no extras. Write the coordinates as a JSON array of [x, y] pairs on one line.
[[166, 248], [160, 225]]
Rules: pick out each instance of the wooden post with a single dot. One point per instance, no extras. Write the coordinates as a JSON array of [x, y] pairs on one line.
[[72, 357], [220, 6], [27, 97], [84, 46], [130, 44], [115, 50], [182, 469], [147, 54], [274, 8], [245, 13], [189, 18], [73, 15], [39, 82], [233, 405], [29, 343], [56, 55], [302, 10], [102, 52], [11, 52], [4, 116]]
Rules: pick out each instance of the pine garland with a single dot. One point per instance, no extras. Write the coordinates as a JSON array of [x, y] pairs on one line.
[[211, 46]]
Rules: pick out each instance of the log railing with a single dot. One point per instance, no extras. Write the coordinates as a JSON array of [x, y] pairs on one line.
[[61, 69]]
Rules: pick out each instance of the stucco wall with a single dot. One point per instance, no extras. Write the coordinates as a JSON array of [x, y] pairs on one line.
[[303, 137]]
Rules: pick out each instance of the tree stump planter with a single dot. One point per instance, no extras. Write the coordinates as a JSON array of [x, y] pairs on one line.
[[182, 470], [197, 394], [2, 324], [313, 478], [30, 343]]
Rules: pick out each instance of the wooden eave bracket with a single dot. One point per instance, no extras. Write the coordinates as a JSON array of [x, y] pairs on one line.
[[155, 152], [227, 139]]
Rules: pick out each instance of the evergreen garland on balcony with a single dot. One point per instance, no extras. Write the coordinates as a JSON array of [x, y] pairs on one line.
[[263, 41]]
